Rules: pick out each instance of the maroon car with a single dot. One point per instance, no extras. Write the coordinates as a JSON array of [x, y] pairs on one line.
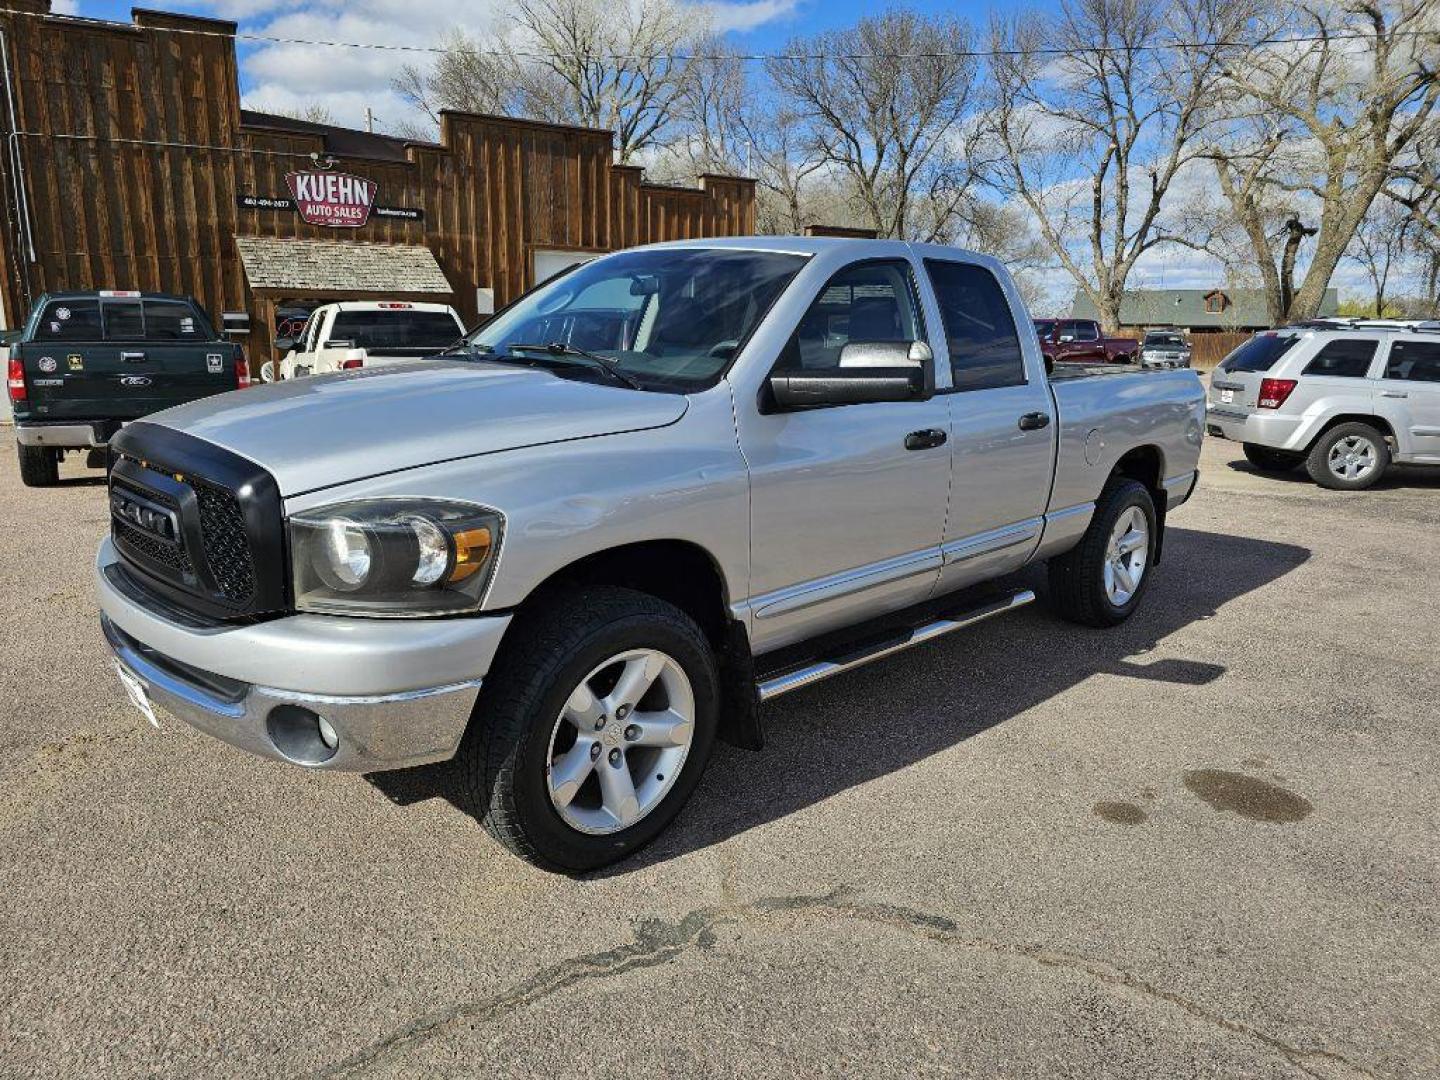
[[1073, 341]]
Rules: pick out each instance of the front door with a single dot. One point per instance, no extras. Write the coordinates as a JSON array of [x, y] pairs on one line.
[[847, 509], [1002, 430]]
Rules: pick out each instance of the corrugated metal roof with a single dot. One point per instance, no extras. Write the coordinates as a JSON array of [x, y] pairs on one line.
[[1244, 309], [325, 266]]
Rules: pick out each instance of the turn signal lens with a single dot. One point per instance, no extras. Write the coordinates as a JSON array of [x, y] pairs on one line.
[[1274, 392], [16, 379], [472, 549]]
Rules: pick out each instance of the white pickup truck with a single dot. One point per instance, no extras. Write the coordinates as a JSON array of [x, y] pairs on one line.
[[573, 568], [365, 333]]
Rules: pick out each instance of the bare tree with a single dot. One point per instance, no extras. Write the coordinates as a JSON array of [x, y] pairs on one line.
[[615, 65], [1319, 127], [883, 104], [314, 113], [467, 76], [1096, 123], [1381, 244]]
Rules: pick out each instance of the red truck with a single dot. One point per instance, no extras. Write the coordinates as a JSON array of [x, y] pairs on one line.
[[1079, 341]]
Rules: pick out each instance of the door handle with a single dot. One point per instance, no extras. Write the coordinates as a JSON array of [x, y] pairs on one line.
[[131, 357], [1393, 393], [1034, 421], [925, 439]]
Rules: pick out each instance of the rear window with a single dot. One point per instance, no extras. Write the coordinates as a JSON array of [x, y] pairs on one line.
[[1347, 357], [69, 320], [124, 321], [1414, 361], [1259, 353], [173, 320], [382, 330]]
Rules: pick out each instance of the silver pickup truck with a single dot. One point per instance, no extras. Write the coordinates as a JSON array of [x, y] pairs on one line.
[[572, 569]]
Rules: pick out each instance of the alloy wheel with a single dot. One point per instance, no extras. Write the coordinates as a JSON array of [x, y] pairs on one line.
[[620, 742], [1126, 555]]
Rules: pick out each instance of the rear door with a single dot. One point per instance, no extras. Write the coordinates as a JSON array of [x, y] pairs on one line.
[[1085, 344], [1409, 396], [1002, 428]]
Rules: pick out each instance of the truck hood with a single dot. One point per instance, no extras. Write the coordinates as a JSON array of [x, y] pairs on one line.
[[316, 432]]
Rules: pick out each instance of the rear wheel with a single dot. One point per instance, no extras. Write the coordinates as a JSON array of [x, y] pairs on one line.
[[593, 728], [1100, 581], [1348, 457], [39, 466], [1268, 459]]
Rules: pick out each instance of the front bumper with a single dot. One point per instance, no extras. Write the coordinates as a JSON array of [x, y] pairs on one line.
[[395, 692]]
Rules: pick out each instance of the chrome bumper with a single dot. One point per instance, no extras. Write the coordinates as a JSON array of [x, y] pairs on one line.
[[396, 693], [64, 436]]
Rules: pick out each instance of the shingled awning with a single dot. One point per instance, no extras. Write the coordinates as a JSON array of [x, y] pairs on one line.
[[321, 267]]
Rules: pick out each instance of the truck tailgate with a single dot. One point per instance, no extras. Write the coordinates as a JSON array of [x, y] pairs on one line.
[[81, 381]]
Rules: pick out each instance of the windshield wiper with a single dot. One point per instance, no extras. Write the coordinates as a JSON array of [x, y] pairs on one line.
[[561, 351]]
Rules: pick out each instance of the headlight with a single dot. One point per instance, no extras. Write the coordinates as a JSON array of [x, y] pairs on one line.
[[393, 557]]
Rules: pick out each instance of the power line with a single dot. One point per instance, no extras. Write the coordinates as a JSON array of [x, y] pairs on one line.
[[975, 54]]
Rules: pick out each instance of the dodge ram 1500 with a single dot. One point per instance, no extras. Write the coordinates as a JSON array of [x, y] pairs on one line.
[[576, 569]]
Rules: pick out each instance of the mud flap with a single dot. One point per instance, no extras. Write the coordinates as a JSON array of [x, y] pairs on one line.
[[740, 723]]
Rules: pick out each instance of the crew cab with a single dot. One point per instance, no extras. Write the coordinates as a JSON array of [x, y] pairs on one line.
[[1081, 341], [1345, 403], [573, 570], [366, 333], [88, 362]]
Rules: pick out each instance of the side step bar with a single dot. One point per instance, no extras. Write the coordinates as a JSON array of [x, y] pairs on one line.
[[823, 669]]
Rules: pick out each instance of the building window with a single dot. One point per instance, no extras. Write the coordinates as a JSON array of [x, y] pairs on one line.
[[1216, 303]]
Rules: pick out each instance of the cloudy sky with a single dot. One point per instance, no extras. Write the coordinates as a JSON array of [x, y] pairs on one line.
[[348, 81]]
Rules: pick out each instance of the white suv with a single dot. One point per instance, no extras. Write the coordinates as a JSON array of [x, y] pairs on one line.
[[1345, 402], [366, 333]]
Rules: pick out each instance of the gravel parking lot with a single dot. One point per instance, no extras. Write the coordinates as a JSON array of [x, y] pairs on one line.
[[1204, 844]]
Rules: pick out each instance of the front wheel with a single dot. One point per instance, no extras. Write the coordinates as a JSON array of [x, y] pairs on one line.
[[1100, 581], [1348, 457], [593, 728]]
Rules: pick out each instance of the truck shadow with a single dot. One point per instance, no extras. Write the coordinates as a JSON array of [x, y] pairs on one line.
[[888, 715]]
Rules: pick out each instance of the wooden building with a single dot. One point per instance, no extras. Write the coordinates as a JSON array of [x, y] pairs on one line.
[[130, 164]]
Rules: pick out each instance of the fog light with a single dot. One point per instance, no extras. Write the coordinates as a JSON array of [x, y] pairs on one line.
[[301, 735]]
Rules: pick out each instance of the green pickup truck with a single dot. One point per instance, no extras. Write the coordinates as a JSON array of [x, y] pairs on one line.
[[89, 362]]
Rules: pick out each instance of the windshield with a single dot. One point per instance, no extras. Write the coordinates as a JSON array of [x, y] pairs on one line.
[[1165, 341], [670, 319], [1259, 353], [396, 331]]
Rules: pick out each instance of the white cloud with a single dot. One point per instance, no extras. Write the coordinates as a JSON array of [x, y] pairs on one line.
[[747, 15], [65, 7]]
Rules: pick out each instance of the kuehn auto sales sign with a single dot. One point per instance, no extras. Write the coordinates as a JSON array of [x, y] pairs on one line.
[[335, 199]]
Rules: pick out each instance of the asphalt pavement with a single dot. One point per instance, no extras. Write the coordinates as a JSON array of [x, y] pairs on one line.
[[1206, 843]]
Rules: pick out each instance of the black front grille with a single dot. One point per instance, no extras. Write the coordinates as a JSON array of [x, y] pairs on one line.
[[226, 550], [203, 526]]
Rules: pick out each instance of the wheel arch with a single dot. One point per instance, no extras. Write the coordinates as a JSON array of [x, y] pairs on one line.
[[1145, 464], [683, 573], [1379, 423]]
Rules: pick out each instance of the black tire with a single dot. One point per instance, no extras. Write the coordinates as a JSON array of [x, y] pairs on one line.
[[39, 466], [1077, 578], [1268, 459], [1317, 463], [504, 759]]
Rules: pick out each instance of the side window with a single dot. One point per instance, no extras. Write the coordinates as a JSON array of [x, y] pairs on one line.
[[1347, 357], [979, 329], [173, 320], [124, 321], [311, 341], [1414, 361], [871, 301], [69, 320], [1086, 331]]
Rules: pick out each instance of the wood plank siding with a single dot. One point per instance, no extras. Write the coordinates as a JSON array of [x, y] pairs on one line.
[[106, 207]]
